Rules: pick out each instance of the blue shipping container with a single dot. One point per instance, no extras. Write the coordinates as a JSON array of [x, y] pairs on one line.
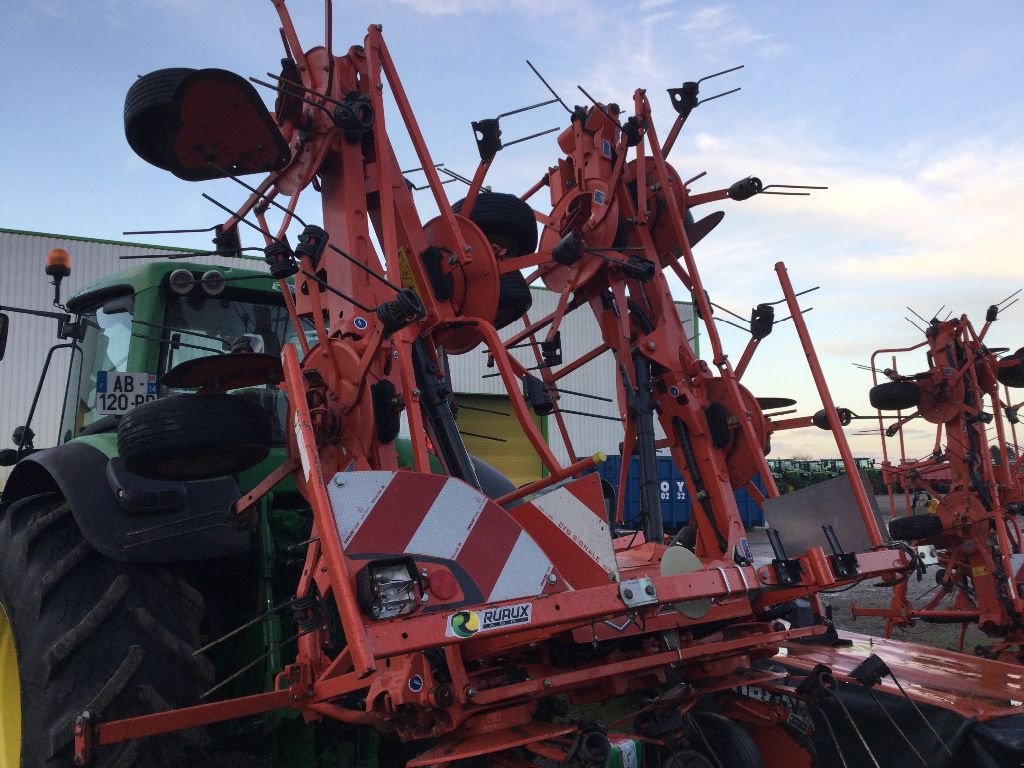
[[675, 496]]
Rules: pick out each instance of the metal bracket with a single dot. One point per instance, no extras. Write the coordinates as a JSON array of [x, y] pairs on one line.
[[788, 571], [843, 563], [637, 592], [84, 738]]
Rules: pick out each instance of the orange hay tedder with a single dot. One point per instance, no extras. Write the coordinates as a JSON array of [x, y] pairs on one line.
[[971, 485], [446, 609]]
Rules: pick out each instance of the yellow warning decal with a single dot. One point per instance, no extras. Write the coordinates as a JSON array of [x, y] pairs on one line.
[[405, 271], [979, 570]]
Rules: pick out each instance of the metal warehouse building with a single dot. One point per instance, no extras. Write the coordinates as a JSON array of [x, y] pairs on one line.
[[485, 414]]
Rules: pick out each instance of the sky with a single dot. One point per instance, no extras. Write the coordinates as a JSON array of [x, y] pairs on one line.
[[910, 113]]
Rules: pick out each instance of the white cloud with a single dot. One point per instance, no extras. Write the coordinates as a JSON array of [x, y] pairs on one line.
[[717, 28], [705, 142]]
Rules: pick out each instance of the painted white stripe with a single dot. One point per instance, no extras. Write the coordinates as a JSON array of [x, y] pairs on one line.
[[448, 522], [353, 495], [525, 572], [303, 453], [579, 523]]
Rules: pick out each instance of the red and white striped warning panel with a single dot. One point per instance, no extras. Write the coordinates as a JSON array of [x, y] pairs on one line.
[[569, 525], [388, 513]]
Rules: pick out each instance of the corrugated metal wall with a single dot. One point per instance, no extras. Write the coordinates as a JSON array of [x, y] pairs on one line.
[[23, 284], [598, 377]]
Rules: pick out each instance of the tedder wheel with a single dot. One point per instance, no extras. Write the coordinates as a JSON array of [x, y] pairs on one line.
[[914, 527], [894, 395], [1014, 375], [193, 437], [81, 632], [146, 107], [514, 299], [509, 223], [728, 741], [506, 220]]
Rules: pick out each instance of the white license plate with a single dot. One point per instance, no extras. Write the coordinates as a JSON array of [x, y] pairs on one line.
[[118, 392]]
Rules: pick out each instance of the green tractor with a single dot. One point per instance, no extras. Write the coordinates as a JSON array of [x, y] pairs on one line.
[[134, 577]]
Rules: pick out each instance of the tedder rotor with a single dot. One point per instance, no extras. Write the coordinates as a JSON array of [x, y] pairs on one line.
[[965, 496]]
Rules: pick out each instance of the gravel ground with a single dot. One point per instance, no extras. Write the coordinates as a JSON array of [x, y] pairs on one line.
[[871, 594]]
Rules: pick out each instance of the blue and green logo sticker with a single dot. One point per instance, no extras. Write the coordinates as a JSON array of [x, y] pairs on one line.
[[465, 624]]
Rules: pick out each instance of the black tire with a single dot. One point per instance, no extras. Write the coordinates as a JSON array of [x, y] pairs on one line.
[[1013, 376], [717, 416], [147, 112], [915, 527], [509, 222], [895, 396], [112, 638], [729, 742], [514, 299], [506, 220], [194, 437]]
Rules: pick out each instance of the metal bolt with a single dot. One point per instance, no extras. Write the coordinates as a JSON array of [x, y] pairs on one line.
[[547, 682], [394, 354], [467, 248], [470, 692], [416, 393], [649, 589], [628, 594], [552, 578], [338, 481]]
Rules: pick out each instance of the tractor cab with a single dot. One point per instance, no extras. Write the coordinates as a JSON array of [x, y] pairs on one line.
[[159, 330]]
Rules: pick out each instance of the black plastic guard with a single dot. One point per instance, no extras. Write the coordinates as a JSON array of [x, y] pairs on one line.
[[194, 522]]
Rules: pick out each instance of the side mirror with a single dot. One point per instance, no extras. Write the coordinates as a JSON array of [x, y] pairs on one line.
[[5, 321]]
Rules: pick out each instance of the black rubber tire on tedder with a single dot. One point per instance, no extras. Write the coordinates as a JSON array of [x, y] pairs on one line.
[[915, 527], [506, 220], [147, 107], [1013, 376], [894, 395], [93, 634], [514, 299], [194, 437]]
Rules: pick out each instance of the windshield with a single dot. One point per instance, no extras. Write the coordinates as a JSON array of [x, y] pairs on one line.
[[193, 326], [197, 326]]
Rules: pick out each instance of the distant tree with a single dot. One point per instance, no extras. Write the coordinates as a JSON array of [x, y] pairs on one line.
[[997, 457]]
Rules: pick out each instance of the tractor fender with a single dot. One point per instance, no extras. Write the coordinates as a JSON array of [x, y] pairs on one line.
[[129, 518]]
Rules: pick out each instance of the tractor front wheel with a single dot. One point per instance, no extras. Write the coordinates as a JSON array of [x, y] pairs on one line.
[[81, 632]]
